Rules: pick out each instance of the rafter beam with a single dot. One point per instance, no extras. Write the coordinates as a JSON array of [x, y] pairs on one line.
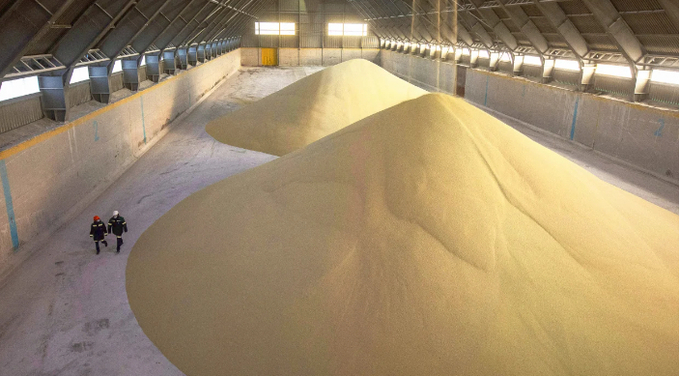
[[24, 22], [565, 28], [526, 26]]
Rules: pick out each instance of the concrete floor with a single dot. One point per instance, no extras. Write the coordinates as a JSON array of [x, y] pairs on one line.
[[65, 311]]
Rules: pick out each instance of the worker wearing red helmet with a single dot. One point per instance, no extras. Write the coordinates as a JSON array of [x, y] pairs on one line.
[[98, 232]]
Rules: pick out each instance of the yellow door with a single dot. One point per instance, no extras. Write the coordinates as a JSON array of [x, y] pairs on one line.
[[269, 56]]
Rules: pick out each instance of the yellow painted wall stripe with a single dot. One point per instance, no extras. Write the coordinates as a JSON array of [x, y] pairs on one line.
[[84, 119]]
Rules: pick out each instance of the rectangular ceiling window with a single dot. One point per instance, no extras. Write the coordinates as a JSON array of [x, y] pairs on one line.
[[532, 60], [613, 70], [274, 28], [80, 74], [571, 65], [348, 30], [665, 76], [19, 88]]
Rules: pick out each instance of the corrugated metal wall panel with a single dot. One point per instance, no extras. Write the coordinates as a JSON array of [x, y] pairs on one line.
[[79, 94], [532, 71], [566, 77], [332, 42], [19, 112], [663, 93], [351, 42], [614, 85], [289, 41], [370, 42]]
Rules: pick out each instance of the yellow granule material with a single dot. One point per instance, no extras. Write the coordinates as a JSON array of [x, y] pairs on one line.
[[312, 108], [427, 239]]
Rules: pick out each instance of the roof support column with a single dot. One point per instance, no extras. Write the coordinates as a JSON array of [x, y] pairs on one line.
[[100, 83], [642, 84], [54, 100], [548, 67], [182, 58], [169, 62], [192, 55], [154, 66], [131, 73]]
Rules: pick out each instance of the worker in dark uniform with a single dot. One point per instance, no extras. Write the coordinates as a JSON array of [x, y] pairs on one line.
[[98, 232], [117, 225]]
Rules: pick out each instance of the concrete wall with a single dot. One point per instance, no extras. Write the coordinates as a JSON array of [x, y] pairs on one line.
[[52, 177], [292, 57], [642, 136]]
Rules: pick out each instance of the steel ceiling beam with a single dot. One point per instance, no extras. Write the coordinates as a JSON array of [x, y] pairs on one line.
[[131, 26], [158, 25], [565, 28], [22, 24], [88, 30], [525, 24], [198, 18], [495, 24], [179, 24], [617, 28], [671, 8]]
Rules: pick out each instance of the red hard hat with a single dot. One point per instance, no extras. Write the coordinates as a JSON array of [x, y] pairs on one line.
[[96, 217]]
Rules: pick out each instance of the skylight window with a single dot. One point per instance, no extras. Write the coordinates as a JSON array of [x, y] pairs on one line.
[[571, 65], [348, 30], [665, 76], [19, 88], [274, 28], [79, 75], [613, 70]]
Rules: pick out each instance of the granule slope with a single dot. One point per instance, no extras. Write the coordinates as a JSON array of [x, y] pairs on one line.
[[427, 239], [312, 108]]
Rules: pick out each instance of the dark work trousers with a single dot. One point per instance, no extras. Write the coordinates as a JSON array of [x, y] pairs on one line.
[[96, 244], [119, 242]]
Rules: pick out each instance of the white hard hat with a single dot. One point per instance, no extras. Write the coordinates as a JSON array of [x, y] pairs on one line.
[[115, 213]]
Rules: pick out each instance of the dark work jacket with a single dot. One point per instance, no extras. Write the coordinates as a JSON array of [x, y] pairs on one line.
[[98, 230], [117, 225]]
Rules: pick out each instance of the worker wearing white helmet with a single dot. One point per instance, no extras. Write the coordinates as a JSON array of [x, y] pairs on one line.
[[117, 225]]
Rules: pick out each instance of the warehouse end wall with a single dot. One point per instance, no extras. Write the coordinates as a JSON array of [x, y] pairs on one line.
[[642, 136], [54, 176], [294, 57]]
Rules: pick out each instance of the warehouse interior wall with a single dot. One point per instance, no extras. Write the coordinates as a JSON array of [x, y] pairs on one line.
[[49, 178], [638, 135], [311, 45]]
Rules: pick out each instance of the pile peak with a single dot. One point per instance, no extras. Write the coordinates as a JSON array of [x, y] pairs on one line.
[[426, 239], [312, 108]]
